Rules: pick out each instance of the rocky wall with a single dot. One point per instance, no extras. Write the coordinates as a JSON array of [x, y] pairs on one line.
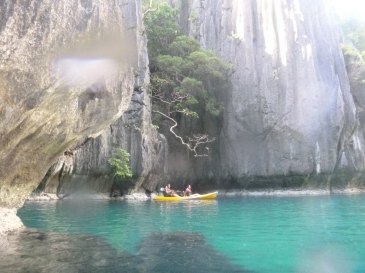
[[67, 71], [290, 109]]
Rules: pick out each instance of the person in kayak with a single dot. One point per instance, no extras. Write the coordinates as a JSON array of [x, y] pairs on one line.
[[187, 192], [170, 192]]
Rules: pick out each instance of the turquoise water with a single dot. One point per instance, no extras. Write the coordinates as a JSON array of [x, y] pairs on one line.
[[262, 234]]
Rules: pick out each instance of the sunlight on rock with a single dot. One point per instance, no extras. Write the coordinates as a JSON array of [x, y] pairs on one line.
[[307, 52], [240, 22], [275, 31], [282, 37]]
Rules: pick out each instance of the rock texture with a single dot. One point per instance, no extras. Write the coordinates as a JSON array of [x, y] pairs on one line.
[[290, 118], [9, 223], [84, 169], [67, 71]]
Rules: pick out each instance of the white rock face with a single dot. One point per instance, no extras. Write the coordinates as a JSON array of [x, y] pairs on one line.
[[290, 109]]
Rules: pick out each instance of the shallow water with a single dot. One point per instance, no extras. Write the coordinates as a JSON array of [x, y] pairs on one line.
[[257, 234]]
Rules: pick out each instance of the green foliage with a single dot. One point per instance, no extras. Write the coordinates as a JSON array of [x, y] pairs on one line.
[[119, 164], [235, 37], [349, 50], [183, 75], [193, 16], [205, 65], [354, 29], [214, 107], [161, 30], [172, 66], [193, 88], [183, 46]]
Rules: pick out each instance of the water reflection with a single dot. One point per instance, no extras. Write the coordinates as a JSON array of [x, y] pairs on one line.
[[187, 214]]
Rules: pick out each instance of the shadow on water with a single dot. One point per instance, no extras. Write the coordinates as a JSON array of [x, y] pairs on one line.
[[181, 252], [34, 251]]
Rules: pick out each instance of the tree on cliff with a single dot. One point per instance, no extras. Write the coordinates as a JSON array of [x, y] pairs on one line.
[[185, 79], [119, 165], [354, 30]]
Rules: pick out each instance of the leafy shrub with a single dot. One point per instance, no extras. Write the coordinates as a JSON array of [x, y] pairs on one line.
[[119, 165], [181, 69]]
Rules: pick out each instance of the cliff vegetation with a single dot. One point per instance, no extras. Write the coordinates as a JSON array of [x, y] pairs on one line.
[[186, 81]]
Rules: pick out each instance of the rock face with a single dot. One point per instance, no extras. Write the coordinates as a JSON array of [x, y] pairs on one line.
[[67, 71], [84, 168], [291, 118], [290, 114]]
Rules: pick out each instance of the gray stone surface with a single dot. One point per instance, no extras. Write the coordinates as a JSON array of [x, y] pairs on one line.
[[290, 109], [67, 71], [84, 167], [291, 119]]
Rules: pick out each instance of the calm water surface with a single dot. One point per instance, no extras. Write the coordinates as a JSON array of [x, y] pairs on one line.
[[259, 234]]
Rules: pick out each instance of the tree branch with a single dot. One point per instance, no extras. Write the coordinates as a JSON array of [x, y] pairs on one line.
[[198, 139], [150, 9]]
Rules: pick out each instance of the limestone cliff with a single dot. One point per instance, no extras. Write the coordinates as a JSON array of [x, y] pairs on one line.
[[290, 116], [67, 71], [70, 69], [84, 169]]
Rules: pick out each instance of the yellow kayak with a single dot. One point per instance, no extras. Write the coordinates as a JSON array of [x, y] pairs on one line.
[[211, 195]]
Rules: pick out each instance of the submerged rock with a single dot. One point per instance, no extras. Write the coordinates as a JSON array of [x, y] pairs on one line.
[[34, 251], [182, 252]]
